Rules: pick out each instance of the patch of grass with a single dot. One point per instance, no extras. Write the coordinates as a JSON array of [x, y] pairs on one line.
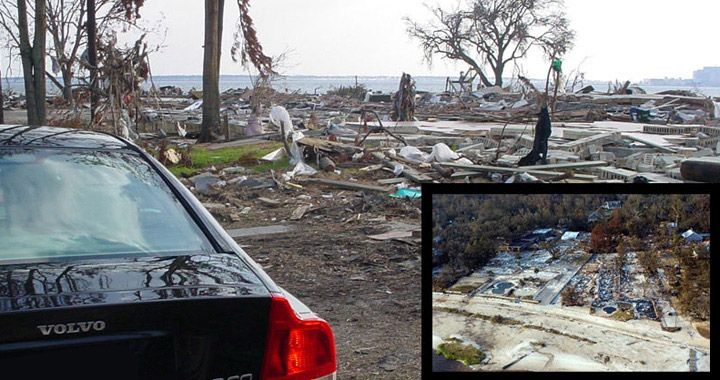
[[201, 157], [198, 158], [352, 171], [281, 164], [465, 289], [182, 171], [497, 319], [462, 352], [623, 316]]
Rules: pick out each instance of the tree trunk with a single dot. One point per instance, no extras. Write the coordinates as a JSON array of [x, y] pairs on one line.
[[27, 64], [67, 76], [92, 57], [211, 68], [498, 71], [483, 78], [2, 100], [33, 61], [55, 81], [39, 45]]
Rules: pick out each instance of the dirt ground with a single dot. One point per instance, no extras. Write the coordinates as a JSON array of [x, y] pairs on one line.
[[553, 338], [369, 291]]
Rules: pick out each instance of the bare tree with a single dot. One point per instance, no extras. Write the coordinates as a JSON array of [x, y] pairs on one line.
[[491, 34], [67, 33], [571, 296], [132, 12], [551, 246], [67, 28], [64, 24]]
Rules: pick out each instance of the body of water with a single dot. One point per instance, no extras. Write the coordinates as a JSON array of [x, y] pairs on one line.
[[501, 287], [320, 84], [440, 364]]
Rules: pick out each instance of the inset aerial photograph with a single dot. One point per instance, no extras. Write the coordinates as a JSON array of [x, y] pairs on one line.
[[571, 282]]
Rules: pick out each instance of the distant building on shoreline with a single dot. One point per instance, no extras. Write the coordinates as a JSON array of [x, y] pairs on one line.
[[708, 76]]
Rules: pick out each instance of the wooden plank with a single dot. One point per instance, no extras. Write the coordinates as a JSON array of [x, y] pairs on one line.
[[408, 172], [649, 143], [327, 145], [537, 173], [570, 165], [348, 185], [258, 231], [484, 143], [299, 212], [530, 169], [601, 139], [391, 181]]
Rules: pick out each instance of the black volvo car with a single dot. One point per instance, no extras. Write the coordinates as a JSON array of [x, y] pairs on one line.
[[110, 268]]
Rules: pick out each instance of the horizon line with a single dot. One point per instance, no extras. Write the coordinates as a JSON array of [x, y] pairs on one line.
[[370, 76]]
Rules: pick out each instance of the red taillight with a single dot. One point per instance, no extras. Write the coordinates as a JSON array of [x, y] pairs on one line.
[[297, 348]]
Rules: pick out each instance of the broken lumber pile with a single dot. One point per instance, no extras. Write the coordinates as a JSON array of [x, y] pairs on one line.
[[410, 173]]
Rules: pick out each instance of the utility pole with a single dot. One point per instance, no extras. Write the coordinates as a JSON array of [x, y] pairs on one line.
[[92, 57]]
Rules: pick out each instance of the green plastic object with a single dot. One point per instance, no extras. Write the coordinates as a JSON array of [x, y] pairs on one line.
[[557, 65], [407, 193]]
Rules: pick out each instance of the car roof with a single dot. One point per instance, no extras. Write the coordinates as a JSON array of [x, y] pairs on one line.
[[53, 137]]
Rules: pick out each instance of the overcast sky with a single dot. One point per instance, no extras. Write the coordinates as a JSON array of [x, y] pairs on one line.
[[616, 39]]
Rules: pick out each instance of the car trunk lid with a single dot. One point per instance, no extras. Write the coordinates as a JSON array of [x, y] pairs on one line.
[[184, 317]]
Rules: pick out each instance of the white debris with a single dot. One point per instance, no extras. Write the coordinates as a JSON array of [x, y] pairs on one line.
[[521, 103], [180, 130], [238, 180], [274, 156], [442, 153], [193, 107], [172, 156], [301, 168], [281, 118], [413, 154], [522, 178], [124, 131]]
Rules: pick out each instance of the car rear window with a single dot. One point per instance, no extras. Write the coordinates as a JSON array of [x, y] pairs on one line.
[[60, 203]]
